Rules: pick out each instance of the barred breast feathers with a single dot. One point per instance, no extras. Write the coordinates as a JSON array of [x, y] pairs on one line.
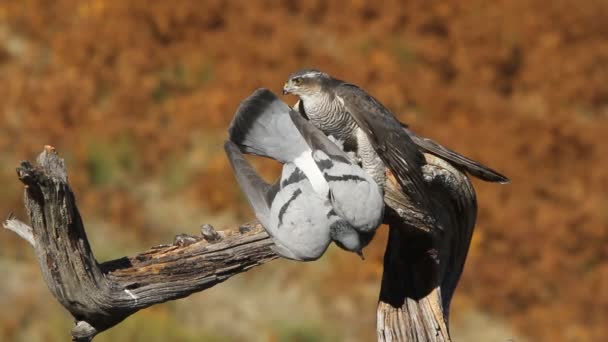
[[330, 116]]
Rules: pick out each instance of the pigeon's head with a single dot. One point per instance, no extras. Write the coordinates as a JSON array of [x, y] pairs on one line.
[[307, 82], [347, 238]]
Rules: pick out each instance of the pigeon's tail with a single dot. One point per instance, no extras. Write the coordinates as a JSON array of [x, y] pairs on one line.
[[257, 191], [474, 168], [262, 126]]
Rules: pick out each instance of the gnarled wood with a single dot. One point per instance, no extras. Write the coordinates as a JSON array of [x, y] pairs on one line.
[[420, 265], [102, 295], [422, 268]]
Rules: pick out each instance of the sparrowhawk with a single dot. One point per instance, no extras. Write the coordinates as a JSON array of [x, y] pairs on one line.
[[367, 127]]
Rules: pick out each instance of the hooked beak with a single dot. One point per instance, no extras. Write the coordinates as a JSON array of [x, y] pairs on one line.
[[287, 88]]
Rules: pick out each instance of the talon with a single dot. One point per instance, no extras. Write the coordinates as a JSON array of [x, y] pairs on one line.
[[209, 233], [183, 240], [244, 228]]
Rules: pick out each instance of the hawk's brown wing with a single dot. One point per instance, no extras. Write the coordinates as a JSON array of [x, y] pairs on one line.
[[390, 141]]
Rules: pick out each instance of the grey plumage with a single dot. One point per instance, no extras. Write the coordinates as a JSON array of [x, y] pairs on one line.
[[265, 126], [354, 194], [293, 214], [262, 127]]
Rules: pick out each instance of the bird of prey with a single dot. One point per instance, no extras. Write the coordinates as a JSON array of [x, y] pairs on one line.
[[345, 110], [381, 142], [314, 166], [364, 125]]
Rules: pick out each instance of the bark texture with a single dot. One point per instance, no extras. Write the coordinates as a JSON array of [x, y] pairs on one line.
[[422, 268]]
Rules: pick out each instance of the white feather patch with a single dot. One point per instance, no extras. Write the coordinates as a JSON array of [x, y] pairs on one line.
[[312, 172]]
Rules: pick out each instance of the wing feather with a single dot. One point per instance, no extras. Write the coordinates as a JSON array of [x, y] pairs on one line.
[[255, 188], [390, 141], [261, 126]]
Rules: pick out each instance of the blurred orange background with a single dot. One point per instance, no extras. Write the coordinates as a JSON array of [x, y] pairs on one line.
[[137, 95]]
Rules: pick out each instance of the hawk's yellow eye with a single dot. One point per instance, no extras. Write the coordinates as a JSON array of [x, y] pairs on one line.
[[297, 80]]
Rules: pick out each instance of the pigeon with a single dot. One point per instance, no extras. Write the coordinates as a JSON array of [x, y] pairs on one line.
[[294, 215], [264, 125]]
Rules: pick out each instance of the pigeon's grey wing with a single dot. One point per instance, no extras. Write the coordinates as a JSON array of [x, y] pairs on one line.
[[474, 168], [355, 196], [262, 126], [299, 220], [255, 188], [389, 140], [316, 139]]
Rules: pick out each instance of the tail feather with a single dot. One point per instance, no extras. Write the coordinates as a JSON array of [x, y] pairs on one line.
[[474, 168], [257, 191], [262, 126]]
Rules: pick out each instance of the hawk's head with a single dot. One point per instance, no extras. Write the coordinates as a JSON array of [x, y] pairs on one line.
[[306, 82]]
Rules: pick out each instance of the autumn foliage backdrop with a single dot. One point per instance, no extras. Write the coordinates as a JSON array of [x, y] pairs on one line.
[[136, 95]]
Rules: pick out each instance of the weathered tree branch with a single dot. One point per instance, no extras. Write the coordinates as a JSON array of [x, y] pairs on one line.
[[101, 295], [421, 267]]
